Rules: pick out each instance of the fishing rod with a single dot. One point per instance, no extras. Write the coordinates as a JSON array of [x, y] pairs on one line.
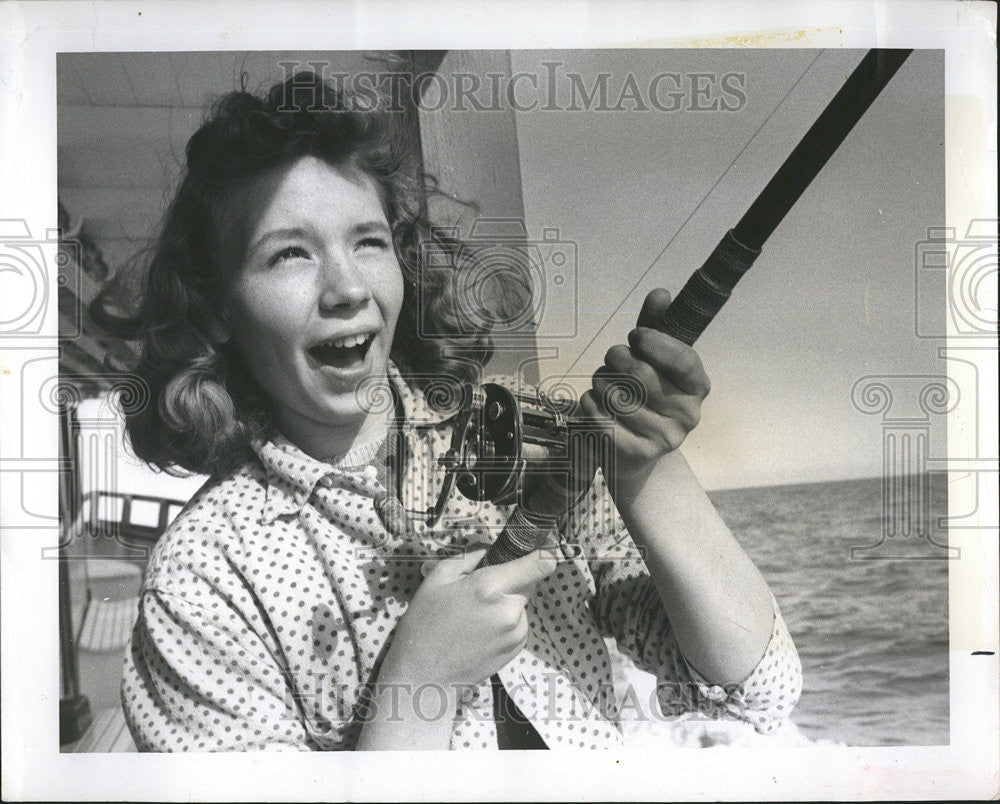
[[502, 436]]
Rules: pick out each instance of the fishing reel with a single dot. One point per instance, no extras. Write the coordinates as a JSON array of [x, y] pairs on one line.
[[503, 443]]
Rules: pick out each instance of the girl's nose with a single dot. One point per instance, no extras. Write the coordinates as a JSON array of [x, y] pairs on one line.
[[343, 288]]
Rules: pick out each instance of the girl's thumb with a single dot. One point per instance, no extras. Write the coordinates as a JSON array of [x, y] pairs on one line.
[[451, 568]]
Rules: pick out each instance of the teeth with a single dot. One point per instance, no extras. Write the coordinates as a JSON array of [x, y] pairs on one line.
[[349, 341]]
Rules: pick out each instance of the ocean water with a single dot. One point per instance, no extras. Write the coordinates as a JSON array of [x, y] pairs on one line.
[[872, 634]]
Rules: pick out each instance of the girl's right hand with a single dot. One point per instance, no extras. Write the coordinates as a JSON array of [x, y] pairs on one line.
[[463, 623]]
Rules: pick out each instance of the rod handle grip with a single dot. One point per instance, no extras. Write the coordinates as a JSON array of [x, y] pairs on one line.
[[519, 537], [707, 290], [532, 521]]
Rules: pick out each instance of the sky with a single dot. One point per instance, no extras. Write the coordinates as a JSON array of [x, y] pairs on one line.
[[832, 297]]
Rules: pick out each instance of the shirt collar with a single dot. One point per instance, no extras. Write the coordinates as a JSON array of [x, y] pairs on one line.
[[417, 412], [292, 475]]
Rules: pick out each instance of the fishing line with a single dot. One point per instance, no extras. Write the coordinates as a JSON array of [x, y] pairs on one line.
[[693, 212]]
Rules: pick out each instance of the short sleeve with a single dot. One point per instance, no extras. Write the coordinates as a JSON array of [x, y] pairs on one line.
[[198, 679]]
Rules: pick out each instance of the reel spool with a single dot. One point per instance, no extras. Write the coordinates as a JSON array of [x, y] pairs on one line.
[[502, 442]]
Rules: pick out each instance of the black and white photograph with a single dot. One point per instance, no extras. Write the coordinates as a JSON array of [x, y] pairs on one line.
[[431, 397]]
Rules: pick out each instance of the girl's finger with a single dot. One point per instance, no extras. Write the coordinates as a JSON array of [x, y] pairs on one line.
[[518, 577], [630, 384], [594, 412], [446, 570], [669, 356], [639, 446], [654, 307], [665, 402], [620, 361], [644, 431]]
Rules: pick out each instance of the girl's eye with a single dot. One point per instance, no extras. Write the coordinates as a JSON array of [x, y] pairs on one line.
[[290, 253], [377, 243]]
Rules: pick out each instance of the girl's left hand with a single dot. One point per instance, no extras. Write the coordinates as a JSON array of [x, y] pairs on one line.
[[670, 381]]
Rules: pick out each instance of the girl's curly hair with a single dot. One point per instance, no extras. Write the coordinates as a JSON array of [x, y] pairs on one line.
[[205, 410]]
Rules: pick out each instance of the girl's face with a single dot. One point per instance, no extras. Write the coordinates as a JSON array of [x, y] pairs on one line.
[[314, 306]]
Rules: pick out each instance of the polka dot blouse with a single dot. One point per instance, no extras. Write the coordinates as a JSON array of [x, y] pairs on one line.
[[269, 601]]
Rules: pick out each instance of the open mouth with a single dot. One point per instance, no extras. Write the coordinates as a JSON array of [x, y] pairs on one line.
[[343, 353]]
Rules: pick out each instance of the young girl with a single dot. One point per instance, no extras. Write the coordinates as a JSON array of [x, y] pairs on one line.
[[278, 612]]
